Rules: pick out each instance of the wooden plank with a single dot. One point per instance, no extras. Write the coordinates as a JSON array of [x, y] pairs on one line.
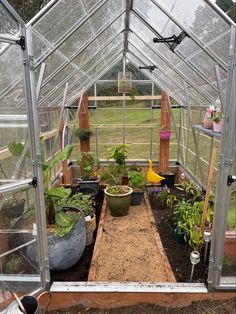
[[208, 189], [92, 271], [49, 134], [113, 98], [170, 274]]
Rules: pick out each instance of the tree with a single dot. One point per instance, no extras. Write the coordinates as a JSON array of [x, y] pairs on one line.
[[224, 4], [232, 12], [27, 8]]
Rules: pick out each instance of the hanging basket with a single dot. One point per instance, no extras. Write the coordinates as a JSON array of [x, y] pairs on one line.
[[124, 82], [165, 135]]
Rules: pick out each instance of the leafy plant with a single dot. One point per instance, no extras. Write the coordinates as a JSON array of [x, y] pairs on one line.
[[217, 116], [137, 181], [171, 200], [61, 221], [82, 201], [118, 153], [162, 196], [83, 133], [118, 189], [192, 192], [187, 218], [113, 175], [89, 164]]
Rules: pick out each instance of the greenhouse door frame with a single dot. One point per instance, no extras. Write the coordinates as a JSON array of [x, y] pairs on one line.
[[225, 168], [24, 39]]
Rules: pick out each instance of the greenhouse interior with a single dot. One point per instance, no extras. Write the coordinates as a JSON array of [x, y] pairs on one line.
[[103, 101]]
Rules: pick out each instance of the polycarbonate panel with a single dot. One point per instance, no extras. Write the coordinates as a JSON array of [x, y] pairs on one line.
[[41, 46], [10, 68], [156, 18], [19, 269], [147, 36], [221, 47], [90, 28], [7, 23], [61, 17], [107, 11], [199, 18]]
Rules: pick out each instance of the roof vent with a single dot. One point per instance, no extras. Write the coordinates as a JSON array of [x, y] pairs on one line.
[[175, 40], [148, 67]]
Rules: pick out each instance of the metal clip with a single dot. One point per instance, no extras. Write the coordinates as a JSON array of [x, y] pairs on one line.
[[231, 179], [34, 182]]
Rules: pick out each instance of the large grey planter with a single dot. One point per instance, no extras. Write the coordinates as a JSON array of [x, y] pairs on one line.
[[65, 251]]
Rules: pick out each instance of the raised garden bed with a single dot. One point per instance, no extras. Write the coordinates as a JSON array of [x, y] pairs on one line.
[[129, 248]]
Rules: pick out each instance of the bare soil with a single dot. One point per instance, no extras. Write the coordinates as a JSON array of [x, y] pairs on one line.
[[128, 251]]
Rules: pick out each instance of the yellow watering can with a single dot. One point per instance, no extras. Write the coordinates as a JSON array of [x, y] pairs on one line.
[[153, 176]]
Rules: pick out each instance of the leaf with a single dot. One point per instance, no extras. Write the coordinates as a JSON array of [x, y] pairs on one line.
[[63, 155], [16, 148], [59, 192]]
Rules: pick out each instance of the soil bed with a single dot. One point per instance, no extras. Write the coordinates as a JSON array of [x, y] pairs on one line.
[[128, 250], [178, 254]]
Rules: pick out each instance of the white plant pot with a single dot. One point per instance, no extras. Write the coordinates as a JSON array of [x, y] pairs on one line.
[[90, 226]]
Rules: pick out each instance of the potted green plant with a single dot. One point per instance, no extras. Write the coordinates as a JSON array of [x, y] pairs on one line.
[[137, 182], [83, 133], [65, 223], [86, 204], [119, 154], [217, 118], [89, 165], [118, 199]]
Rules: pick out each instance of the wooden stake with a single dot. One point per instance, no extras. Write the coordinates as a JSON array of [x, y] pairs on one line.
[[208, 190]]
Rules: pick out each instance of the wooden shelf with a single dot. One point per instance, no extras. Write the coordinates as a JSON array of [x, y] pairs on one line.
[[207, 131]]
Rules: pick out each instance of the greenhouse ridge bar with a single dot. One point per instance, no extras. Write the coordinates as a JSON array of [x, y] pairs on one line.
[[59, 81]]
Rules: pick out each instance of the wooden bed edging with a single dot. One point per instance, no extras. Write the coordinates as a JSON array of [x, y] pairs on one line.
[[109, 295], [98, 241]]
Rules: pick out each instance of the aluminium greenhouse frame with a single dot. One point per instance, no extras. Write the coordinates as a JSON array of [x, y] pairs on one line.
[[128, 51]]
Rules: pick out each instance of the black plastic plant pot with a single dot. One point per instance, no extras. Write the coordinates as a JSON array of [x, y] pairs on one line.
[[136, 198], [169, 179], [90, 191], [90, 184], [179, 235]]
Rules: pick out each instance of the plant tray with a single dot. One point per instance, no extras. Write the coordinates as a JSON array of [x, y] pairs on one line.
[[129, 248]]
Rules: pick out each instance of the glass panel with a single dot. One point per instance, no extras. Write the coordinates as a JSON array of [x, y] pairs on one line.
[[7, 24], [56, 22]]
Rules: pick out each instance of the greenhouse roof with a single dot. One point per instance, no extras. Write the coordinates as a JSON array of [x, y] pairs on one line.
[[79, 41]]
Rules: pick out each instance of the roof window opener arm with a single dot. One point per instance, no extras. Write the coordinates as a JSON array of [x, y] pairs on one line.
[[175, 40], [148, 67]]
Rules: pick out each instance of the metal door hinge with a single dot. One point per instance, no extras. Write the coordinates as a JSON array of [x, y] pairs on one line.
[[21, 42], [34, 182], [231, 179]]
